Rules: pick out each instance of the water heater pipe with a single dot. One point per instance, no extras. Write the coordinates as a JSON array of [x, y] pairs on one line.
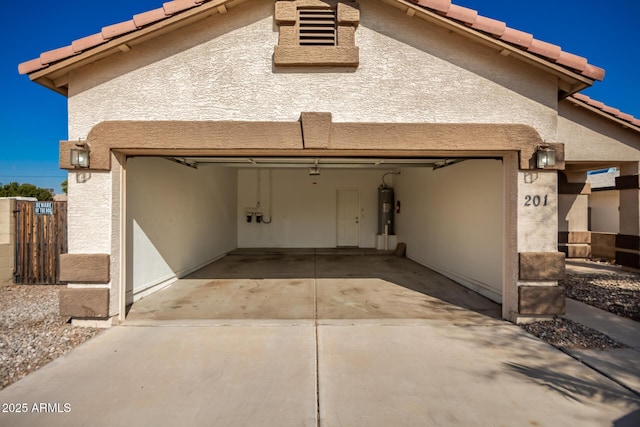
[[386, 237], [384, 184], [264, 221]]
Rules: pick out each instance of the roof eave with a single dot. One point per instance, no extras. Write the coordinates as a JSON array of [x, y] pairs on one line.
[[625, 124], [570, 82], [49, 84], [54, 75]]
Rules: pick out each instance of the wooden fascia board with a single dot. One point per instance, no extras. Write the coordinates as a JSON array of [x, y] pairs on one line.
[[572, 78], [113, 46], [601, 113]]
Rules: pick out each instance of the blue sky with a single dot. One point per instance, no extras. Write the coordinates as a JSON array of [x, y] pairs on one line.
[[33, 118]]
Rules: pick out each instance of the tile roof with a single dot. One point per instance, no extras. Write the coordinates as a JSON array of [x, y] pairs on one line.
[[111, 32], [579, 99], [465, 16], [519, 39]]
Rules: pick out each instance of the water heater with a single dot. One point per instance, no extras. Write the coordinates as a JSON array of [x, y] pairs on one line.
[[385, 209]]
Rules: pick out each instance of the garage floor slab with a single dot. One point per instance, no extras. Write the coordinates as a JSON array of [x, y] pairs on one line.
[[313, 286]]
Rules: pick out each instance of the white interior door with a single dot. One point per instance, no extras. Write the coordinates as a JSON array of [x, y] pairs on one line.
[[348, 219]]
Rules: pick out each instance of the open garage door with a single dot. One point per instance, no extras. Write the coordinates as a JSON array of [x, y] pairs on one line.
[[184, 213]]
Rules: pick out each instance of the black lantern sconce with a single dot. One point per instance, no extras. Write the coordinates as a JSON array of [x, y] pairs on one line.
[[80, 156], [545, 157]]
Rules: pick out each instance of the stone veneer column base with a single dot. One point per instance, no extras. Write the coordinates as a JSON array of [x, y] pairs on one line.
[[84, 303], [541, 300]]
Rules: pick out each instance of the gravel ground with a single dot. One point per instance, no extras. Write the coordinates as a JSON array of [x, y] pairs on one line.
[[618, 293], [564, 333], [615, 291], [32, 333]]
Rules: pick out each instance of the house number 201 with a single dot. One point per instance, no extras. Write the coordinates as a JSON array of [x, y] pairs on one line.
[[536, 200]]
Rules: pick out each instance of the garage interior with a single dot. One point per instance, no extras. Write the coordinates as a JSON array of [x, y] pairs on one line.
[[309, 232]]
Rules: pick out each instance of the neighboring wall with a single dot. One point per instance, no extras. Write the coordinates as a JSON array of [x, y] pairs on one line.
[[178, 219], [304, 206], [605, 211], [572, 212], [7, 241], [452, 222]]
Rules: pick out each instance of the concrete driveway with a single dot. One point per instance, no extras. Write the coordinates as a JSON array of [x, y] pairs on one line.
[[388, 344]]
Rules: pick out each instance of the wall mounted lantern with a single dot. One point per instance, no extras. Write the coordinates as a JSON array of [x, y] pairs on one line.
[[545, 156], [80, 156]]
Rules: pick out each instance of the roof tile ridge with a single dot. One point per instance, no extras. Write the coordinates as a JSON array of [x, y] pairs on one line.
[[520, 39], [605, 108], [176, 6], [149, 17], [109, 32], [112, 31], [88, 42]]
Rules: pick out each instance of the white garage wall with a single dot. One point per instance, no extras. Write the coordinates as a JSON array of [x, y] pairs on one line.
[[605, 211], [452, 222], [304, 213], [178, 219]]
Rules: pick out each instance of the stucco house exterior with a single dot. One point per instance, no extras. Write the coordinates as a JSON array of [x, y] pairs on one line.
[[200, 114]]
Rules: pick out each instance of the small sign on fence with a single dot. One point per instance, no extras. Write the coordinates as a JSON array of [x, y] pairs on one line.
[[44, 208]]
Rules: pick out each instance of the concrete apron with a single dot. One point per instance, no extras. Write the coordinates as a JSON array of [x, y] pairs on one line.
[[435, 362]]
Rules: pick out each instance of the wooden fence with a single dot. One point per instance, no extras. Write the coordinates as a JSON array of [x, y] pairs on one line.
[[41, 236]]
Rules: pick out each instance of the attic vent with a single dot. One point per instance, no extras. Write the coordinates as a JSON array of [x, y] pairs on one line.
[[316, 33], [317, 27]]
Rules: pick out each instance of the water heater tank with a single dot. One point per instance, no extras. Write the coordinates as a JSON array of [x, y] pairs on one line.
[[385, 209]]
